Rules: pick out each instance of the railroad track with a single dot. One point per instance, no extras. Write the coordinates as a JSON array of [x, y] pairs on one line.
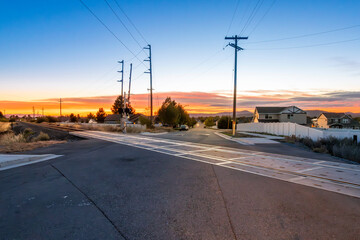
[[57, 126]]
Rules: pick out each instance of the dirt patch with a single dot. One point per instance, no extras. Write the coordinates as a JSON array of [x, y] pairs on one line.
[[23, 146]]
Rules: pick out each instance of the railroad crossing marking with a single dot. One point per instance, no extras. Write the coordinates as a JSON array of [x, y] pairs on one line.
[[331, 176]]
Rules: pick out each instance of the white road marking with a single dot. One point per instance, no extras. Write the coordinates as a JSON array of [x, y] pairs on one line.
[[338, 177], [308, 169]]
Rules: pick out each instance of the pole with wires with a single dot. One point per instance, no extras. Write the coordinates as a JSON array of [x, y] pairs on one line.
[[129, 83], [122, 78], [150, 72], [237, 48]]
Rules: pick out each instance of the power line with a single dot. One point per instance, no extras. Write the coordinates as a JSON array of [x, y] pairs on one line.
[[306, 35], [233, 16], [252, 15], [262, 18], [137, 30], [308, 46], [122, 23], [112, 33]]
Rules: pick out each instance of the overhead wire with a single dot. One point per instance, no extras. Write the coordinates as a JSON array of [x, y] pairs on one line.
[[252, 15], [233, 16], [263, 17], [131, 22], [308, 46], [306, 35], [123, 24], [112, 33]]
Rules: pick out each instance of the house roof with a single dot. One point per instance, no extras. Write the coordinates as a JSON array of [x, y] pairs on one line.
[[135, 117], [113, 117], [270, 109], [333, 115]]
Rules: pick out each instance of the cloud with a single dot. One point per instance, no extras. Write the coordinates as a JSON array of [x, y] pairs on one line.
[[198, 102]]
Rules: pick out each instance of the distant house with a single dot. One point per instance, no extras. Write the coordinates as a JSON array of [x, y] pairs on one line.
[[336, 120], [280, 114], [113, 119]]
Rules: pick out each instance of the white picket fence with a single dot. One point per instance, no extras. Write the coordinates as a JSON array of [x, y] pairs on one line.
[[290, 129]]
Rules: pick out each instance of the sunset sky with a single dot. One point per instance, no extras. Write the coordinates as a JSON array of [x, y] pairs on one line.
[[304, 53]]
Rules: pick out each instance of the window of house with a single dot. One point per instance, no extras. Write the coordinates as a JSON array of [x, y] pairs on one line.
[[288, 116], [266, 116], [345, 120]]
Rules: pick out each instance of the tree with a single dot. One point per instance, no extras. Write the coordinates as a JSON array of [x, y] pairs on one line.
[[209, 122], [191, 122], [73, 118], [1, 115], [225, 122], [100, 115], [118, 107], [90, 116], [168, 112]]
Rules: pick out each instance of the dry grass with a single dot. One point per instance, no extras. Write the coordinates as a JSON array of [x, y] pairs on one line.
[[42, 137], [11, 138], [23, 146], [4, 126]]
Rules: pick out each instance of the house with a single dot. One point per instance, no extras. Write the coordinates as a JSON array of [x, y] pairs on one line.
[[336, 120], [113, 119], [280, 114]]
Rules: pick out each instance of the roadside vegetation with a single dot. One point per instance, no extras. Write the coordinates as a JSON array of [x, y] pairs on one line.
[[173, 114], [24, 141], [343, 148]]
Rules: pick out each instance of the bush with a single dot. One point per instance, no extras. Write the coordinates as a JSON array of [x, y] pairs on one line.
[[209, 122], [225, 122], [42, 137], [28, 133], [10, 138], [41, 119], [145, 121]]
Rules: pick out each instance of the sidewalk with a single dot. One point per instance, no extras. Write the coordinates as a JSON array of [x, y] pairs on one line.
[[8, 161]]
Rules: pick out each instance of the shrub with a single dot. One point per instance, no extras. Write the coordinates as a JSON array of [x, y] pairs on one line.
[[225, 122], [42, 137], [11, 138], [28, 132], [145, 121], [209, 122], [321, 149], [41, 119]]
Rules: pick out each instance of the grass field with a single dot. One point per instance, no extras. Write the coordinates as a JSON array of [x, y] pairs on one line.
[[4, 126]]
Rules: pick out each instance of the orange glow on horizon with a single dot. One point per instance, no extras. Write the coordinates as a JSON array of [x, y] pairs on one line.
[[194, 102]]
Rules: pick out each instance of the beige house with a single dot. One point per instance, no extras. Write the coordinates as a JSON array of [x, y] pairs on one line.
[[280, 114], [336, 120]]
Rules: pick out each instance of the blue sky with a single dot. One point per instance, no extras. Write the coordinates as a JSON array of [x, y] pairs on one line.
[[57, 48]]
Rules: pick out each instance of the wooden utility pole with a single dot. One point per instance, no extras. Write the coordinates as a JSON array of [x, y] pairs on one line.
[[237, 48], [122, 78], [150, 72], [60, 108], [129, 83]]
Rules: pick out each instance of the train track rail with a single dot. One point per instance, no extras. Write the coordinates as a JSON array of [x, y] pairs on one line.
[[57, 126]]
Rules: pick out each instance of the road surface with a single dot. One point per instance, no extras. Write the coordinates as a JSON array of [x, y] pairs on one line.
[[102, 189]]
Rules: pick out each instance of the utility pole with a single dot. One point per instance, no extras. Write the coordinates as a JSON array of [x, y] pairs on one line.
[[43, 112], [33, 112], [60, 108], [129, 83], [237, 48], [122, 78], [150, 72]]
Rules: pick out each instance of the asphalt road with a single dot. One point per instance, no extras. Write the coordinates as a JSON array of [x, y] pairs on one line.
[[208, 136], [104, 190]]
